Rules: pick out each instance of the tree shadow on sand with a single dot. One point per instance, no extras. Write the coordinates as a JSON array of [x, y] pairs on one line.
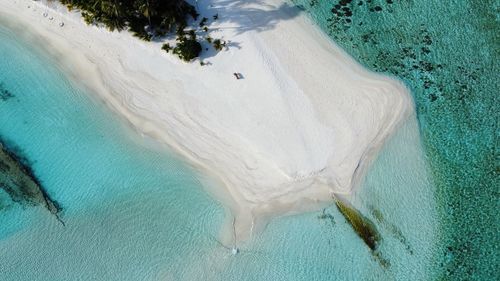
[[243, 16], [255, 15]]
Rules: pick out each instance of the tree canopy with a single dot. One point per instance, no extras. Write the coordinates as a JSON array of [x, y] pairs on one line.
[[144, 18]]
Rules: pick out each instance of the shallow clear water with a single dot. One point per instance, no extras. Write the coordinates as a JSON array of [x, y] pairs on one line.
[[135, 212], [306, 247], [447, 53], [131, 210]]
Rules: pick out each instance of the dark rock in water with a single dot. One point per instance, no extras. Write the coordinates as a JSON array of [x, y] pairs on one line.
[[4, 93], [19, 182], [365, 229], [396, 232], [327, 216]]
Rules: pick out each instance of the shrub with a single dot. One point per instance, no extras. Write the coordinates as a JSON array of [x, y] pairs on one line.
[[187, 48], [137, 27], [218, 44], [192, 34], [166, 47], [160, 17]]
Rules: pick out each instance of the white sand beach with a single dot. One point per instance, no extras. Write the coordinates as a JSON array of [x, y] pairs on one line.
[[303, 124]]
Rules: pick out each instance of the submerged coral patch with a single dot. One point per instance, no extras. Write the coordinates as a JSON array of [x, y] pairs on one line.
[[18, 180], [4, 93]]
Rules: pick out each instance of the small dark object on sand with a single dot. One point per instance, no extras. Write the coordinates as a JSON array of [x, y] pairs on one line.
[[238, 75]]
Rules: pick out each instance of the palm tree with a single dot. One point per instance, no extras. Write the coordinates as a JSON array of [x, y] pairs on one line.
[[113, 13], [144, 7]]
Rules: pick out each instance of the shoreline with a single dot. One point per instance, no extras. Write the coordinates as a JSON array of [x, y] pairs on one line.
[[282, 140]]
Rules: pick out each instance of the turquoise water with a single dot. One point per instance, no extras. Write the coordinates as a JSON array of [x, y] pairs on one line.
[[447, 52], [133, 211]]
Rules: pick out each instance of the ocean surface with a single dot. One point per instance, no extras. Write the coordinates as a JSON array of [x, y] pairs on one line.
[[135, 211], [447, 52]]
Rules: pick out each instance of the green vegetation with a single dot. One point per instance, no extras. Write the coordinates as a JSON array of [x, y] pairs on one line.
[[218, 44], [146, 19], [187, 47], [166, 47]]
